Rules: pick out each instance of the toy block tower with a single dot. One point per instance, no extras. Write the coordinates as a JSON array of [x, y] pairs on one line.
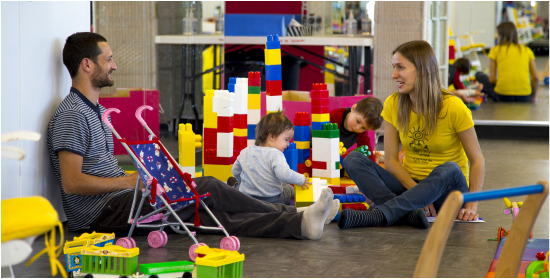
[[325, 137], [240, 128], [291, 156], [273, 85], [218, 143], [187, 142], [254, 105], [302, 137]]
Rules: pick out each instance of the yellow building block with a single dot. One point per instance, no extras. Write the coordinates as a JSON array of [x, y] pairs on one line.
[[273, 56], [320, 117], [302, 144], [268, 112], [187, 142], [210, 117], [221, 172], [240, 132], [364, 203], [303, 197], [254, 101], [332, 181]]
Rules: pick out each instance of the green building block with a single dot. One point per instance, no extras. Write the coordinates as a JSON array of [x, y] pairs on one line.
[[234, 270], [168, 267], [329, 134], [330, 126], [254, 90], [337, 166]]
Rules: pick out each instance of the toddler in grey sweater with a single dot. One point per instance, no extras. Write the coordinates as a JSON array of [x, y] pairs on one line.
[[261, 170]]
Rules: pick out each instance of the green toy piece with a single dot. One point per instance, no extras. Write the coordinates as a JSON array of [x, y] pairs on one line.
[[364, 149], [537, 266], [330, 131], [184, 268]]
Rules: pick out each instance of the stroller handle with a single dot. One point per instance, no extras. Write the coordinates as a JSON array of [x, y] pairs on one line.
[[105, 116], [138, 114]]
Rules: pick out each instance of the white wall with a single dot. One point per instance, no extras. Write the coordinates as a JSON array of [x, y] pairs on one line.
[[467, 16], [34, 81]]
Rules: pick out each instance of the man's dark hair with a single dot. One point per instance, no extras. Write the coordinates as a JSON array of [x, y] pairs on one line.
[[463, 65], [274, 123], [79, 46], [371, 109]]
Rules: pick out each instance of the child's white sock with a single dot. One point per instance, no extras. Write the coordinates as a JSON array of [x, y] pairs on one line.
[[300, 209], [316, 214], [333, 211]]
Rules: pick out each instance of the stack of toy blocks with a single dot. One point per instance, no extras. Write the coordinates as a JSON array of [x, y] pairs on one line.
[[218, 156], [302, 137], [325, 138], [254, 105], [308, 196], [273, 85], [187, 142], [240, 128]]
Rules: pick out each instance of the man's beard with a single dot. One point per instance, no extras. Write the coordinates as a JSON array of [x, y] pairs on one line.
[[100, 80]]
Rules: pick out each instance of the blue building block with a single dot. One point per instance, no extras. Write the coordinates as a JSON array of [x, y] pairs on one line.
[[273, 72], [291, 156], [318, 125], [303, 155], [273, 42], [231, 84], [347, 198], [251, 132], [336, 217], [302, 133]]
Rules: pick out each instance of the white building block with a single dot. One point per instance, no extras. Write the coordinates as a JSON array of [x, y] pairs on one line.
[[333, 142], [323, 155], [253, 116], [274, 103], [226, 99], [215, 100], [250, 142], [225, 112], [325, 173], [189, 170], [352, 190], [224, 141], [226, 153]]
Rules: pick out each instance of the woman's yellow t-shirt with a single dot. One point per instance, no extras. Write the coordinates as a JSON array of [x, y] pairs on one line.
[[512, 69], [422, 152]]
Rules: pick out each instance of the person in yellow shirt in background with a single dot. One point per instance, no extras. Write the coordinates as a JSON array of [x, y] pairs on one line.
[[438, 137], [510, 65]]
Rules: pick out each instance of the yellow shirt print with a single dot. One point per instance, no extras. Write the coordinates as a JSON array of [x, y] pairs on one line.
[[424, 152]]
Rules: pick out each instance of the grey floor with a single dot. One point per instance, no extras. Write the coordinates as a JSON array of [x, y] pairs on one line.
[[374, 252]]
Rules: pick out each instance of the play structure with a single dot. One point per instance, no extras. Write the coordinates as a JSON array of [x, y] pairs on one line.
[[514, 246], [168, 188]]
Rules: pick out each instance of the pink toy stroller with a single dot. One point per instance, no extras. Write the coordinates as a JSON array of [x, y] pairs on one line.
[[168, 189]]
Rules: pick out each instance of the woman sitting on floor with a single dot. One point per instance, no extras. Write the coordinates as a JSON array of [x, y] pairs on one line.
[[437, 133]]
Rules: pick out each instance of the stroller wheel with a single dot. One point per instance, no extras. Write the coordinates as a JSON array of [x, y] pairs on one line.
[[228, 243], [237, 241], [192, 249], [165, 238], [156, 239], [126, 242]]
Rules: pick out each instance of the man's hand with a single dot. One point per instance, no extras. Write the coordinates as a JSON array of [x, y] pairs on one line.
[[468, 213], [430, 210], [132, 178], [306, 184]]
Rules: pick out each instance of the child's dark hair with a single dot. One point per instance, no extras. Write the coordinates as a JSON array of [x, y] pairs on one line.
[[274, 124], [463, 65], [371, 109]]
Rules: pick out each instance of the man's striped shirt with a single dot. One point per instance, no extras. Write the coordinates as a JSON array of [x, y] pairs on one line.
[[77, 127]]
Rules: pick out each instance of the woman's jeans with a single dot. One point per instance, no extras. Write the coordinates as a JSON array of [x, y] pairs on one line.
[[512, 98], [394, 200]]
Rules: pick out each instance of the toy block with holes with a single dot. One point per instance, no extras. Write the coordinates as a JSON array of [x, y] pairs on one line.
[[187, 142], [240, 126], [273, 80], [291, 156], [208, 112], [308, 196]]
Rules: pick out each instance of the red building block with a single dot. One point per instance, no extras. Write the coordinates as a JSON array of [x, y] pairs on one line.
[[254, 79], [302, 119], [354, 206], [319, 165], [211, 159], [319, 110], [274, 87], [338, 189], [239, 121], [303, 169], [225, 124], [210, 136], [239, 143], [319, 102]]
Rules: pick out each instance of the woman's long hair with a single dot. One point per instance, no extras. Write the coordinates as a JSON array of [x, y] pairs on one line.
[[508, 35], [427, 86]]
